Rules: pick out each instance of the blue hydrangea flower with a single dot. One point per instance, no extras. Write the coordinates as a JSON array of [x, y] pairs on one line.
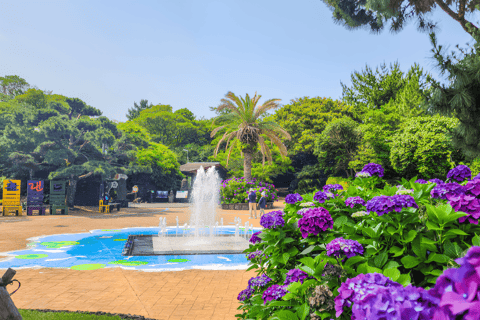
[[347, 247], [245, 294], [255, 239], [320, 196], [435, 180], [334, 187], [259, 282], [293, 198], [295, 275], [421, 181], [373, 169], [274, 292], [272, 220], [459, 173], [352, 201]]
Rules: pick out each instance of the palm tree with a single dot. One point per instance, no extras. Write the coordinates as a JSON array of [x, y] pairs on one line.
[[243, 122]]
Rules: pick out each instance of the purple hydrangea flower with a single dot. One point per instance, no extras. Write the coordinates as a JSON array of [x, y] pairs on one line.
[[356, 289], [477, 177], [440, 191], [347, 247], [468, 204], [255, 254], [314, 221], [373, 169], [295, 275], [274, 292], [352, 201], [272, 220], [259, 282], [374, 296], [255, 239], [437, 181], [473, 187], [245, 294], [459, 173], [457, 289], [302, 211], [320, 196], [334, 187], [385, 204], [293, 198], [421, 181]]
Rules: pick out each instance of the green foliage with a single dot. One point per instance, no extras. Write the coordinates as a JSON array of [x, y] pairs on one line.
[[383, 99], [461, 97], [38, 315], [411, 246], [305, 118], [135, 111], [13, 85], [374, 14], [421, 147], [234, 190], [172, 129], [337, 145], [246, 125]]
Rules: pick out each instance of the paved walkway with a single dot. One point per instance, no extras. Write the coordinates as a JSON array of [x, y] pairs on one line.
[[190, 294]]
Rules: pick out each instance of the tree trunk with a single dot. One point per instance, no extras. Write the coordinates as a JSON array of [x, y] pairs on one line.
[[31, 174], [247, 164], [72, 189]]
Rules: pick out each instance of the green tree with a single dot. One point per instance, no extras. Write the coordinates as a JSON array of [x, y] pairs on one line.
[[135, 111], [173, 129], [422, 147], [244, 124], [383, 99], [354, 14], [305, 118], [337, 145], [461, 97], [13, 85]]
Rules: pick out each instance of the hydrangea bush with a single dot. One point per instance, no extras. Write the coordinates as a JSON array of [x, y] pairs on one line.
[[234, 190], [366, 252]]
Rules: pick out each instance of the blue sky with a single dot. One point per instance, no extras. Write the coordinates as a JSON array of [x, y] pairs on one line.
[[189, 53]]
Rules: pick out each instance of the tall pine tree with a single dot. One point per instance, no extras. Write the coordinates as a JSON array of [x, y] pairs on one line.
[[135, 111], [461, 98]]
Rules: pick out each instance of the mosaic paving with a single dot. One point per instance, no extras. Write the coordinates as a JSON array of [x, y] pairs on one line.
[[103, 249]]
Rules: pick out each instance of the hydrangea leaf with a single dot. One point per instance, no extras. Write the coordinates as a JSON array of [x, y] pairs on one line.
[[409, 262], [286, 315], [440, 258], [410, 236], [381, 259], [303, 311], [309, 262], [476, 240], [351, 261], [456, 232], [392, 273], [392, 264], [404, 279], [280, 304]]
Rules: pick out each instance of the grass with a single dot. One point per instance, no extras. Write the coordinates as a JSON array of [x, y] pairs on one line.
[[37, 315]]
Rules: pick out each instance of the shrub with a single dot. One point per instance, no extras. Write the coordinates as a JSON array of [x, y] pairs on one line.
[[234, 190], [394, 248]]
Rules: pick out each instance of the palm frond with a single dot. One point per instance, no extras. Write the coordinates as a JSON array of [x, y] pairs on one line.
[[267, 105], [230, 151], [214, 131], [226, 104], [239, 101], [230, 136], [276, 140], [219, 143], [265, 151], [274, 127]]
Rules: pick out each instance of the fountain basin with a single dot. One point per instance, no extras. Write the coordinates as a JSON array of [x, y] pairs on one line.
[[154, 245]]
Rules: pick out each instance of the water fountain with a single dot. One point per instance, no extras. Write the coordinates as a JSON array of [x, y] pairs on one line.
[[201, 234]]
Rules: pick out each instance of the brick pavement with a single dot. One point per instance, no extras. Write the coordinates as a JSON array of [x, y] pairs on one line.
[[189, 294]]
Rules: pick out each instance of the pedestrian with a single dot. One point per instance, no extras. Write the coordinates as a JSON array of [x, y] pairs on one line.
[[252, 202], [262, 203]]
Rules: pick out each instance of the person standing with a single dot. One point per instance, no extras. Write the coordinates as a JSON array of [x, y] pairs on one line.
[[262, 203], [252, 202]]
